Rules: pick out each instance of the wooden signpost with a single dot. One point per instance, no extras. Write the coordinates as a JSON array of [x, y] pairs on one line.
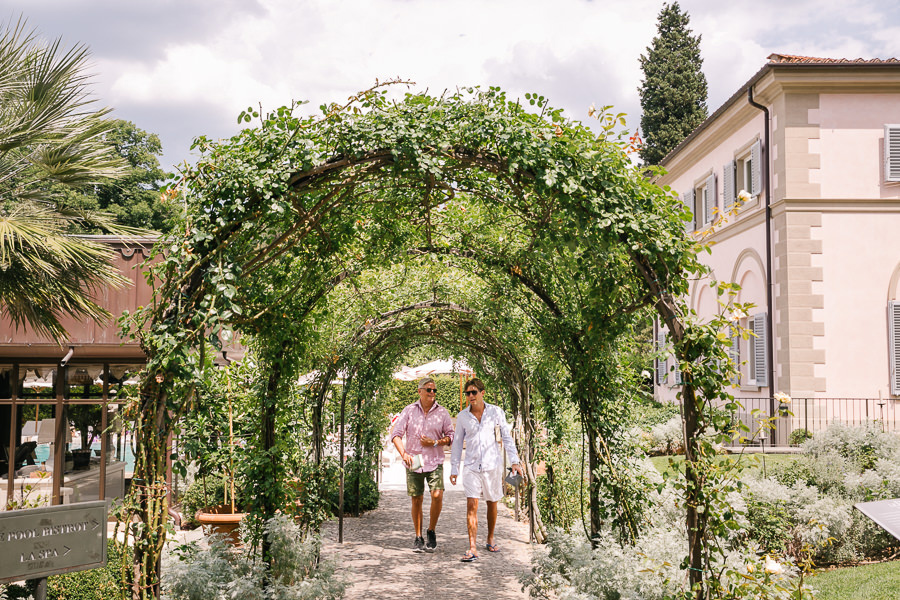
[[39, 542]]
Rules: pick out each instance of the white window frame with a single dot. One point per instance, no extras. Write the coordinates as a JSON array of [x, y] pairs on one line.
[[704, 201], [748, 174], [710, 211]]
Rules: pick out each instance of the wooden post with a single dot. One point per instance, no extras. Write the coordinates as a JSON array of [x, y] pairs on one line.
[[11, 449], [341, 481], [230, 440], [104, 423], [60, 437], [40, 592]]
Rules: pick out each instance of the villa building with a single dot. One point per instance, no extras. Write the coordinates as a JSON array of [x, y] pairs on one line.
[[795, 181]]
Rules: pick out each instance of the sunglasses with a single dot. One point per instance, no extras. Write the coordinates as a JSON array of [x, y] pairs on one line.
[[430, 390], [471, 392]]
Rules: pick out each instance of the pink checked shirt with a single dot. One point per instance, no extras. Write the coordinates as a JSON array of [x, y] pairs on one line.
[[414, 423]]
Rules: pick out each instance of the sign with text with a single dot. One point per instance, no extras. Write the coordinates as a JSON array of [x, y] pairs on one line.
[[884, 512], [40, 542]]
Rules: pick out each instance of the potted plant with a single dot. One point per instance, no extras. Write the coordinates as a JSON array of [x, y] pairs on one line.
[[209, 502], [86, 418]]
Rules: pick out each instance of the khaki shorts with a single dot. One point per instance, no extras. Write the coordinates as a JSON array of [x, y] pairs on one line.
[[415, 482]]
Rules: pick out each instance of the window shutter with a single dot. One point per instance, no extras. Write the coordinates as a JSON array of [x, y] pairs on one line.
[[735, 354], [892, 152], [660, 360], [894, 334], [688, 199], [711, 199], [728, 191], [760, 349], [756, 168], [678, 379]]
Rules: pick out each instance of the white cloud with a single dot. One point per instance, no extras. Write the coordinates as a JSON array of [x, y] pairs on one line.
[[183, 68]]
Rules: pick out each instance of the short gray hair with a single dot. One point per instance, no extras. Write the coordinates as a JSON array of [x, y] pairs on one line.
[[425, 381]]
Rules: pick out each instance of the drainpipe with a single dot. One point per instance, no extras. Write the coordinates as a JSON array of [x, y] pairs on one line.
[[65, 359], [770, 313]]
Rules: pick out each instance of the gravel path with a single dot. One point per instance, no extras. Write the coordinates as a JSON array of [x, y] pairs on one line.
[[377, 550]]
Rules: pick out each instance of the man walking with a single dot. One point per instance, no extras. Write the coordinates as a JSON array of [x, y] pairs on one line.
[[427, 428], [476, 425]]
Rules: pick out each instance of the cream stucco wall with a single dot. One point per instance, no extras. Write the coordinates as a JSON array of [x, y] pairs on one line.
[[860, 254], [851, 145]]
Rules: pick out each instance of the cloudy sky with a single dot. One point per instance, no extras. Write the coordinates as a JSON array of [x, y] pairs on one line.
[[182, 68]]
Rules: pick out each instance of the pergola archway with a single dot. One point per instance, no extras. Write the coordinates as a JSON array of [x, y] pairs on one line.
[[565, 238], [380, 342]]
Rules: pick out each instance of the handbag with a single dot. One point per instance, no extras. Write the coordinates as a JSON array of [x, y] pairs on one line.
[[513, 478]]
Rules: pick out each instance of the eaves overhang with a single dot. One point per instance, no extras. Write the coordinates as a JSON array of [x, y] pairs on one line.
[[790, 72]]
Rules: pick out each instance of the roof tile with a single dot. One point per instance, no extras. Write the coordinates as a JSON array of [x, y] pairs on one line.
[[795, 59]]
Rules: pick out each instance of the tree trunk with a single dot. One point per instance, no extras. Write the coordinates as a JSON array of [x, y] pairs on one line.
[[551, 493], [149, 500], [696, 523], [268, 503], [593, 484], [534, 510], [694, 520], [359, 449], [318, 436]]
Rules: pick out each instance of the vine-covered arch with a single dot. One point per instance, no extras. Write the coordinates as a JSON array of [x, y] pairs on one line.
[[377, 345], [305, 220]]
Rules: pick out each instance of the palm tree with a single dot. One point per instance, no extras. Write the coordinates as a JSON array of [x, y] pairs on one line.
[[51, 142]]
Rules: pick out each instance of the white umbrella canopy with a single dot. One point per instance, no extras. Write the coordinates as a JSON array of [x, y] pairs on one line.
[[313, 375], [435, 367], [404, 373]]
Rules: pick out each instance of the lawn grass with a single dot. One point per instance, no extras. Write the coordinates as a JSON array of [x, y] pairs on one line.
[[866, 582], [753, 463]]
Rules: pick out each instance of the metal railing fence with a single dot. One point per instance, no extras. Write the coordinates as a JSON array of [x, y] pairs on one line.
[[816, 414]]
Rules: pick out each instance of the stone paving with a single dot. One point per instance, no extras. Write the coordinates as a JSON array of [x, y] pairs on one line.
[[377, 549]]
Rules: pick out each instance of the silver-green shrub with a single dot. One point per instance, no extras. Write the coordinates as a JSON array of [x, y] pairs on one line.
[[862, 445], [840, 466], [220, 572], [567, 567]]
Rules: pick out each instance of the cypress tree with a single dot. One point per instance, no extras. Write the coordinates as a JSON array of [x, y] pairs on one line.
[[673, 91]]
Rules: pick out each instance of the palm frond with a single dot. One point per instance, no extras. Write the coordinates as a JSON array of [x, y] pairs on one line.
[[51, 134]]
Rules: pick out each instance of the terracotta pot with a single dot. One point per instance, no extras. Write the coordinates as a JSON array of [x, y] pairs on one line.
[[220, 519]]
